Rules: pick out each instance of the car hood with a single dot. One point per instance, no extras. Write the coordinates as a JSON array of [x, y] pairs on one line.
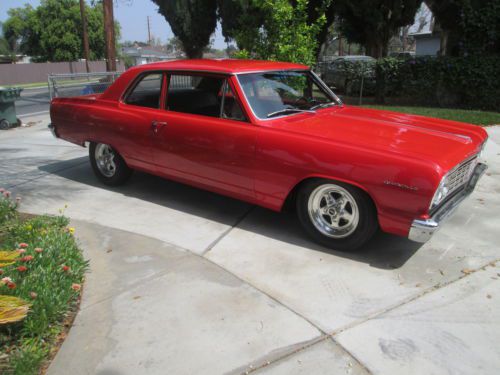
[[443, 142]]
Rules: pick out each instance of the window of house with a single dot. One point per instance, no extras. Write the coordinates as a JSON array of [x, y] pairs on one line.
[[147, 92]]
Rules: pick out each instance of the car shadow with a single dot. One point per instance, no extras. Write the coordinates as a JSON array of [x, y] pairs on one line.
[[384, 251]]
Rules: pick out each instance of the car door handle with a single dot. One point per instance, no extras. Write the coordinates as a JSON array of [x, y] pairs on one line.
[[157, 125]]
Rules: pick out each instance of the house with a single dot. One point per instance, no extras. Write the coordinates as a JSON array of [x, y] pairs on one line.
[[145, 55], [427, 35]]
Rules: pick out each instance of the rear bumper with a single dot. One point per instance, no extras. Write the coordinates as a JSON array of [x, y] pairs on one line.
[[422, 230]]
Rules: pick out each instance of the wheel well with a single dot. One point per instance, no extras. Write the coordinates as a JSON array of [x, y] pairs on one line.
[[289, 203]]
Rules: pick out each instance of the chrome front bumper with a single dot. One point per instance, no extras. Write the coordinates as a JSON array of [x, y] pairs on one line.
[[422, 230]]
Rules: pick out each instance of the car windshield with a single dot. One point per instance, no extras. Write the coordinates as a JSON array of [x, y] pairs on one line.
[[272, 94]]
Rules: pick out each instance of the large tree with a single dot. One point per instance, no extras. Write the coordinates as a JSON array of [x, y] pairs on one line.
[[467, 26], [372, 23], [53, 30], [192, 21]]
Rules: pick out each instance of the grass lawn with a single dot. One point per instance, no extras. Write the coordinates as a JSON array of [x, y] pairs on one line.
[[469, 116], [40, 264]]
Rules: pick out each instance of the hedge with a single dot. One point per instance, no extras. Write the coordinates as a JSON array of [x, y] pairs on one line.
[[453, 82]]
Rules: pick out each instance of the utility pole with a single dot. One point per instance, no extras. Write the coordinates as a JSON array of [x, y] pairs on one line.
[[149, 31], [109, 35], [86, 51]]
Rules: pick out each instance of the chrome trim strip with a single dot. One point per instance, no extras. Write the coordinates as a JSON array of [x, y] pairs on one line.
[[423, 230]]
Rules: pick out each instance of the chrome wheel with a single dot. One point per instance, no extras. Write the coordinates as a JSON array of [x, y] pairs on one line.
[[104, 157], [333, 211]]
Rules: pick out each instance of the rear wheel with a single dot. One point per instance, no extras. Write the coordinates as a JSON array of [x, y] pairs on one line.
[[108, 165], [335, 214]]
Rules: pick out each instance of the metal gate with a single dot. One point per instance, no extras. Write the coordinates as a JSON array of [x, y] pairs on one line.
[[76, 84]]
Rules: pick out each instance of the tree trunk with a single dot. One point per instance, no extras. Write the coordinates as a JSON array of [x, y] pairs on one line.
[[109, 35], [443, 43], [86, 50]]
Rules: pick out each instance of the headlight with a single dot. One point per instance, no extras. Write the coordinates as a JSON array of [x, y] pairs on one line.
[[441, 192]]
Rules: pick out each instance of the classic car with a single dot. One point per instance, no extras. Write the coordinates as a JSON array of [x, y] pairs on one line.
[[273, 134]]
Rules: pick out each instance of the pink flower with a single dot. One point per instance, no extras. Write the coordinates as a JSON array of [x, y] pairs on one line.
[[2, 190], [76, 287], [38, 250], [27, 258], [6, 194], [22, 268], [21, 251], [23, 245], [33, 295], [6, 280], [65, 268]]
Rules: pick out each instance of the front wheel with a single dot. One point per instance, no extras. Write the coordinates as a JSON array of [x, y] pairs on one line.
[[108, 165], [336, 215]]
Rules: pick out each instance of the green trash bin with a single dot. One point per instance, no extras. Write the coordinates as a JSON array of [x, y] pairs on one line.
[[8, 97]]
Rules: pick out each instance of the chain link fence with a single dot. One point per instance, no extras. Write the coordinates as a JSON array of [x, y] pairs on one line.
[[76, 84]]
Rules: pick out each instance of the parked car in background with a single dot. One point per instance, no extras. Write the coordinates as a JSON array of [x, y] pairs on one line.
[[343, 73], [271, 133]]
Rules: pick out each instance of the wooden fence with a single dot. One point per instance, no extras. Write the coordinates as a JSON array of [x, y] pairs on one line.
[[12, 74]]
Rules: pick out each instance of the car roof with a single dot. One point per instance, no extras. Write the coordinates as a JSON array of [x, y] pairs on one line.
[[226, 66]]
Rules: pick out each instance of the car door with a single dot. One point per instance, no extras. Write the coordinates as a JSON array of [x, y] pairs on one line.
[[203, 136], [131, 124]]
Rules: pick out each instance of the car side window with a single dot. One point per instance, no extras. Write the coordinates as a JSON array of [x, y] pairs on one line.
[[147, 91], [195, 94], [231, 107]]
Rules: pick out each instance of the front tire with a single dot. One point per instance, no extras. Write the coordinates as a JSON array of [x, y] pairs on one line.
[[336, 215], [108, 165]]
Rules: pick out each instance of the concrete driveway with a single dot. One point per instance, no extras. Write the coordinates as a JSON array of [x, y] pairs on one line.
[[184, 281]]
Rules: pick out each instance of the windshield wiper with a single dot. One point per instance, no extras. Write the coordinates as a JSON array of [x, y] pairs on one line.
[[286, 110], [322, 105]]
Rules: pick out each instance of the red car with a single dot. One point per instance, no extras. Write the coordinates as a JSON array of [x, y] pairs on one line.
[[271, 132]]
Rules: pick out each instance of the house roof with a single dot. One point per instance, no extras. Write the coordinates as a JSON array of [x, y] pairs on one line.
[[228, 66], [424, 22], [143, 52]]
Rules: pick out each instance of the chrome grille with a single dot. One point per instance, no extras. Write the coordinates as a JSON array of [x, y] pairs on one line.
[[460, 175]]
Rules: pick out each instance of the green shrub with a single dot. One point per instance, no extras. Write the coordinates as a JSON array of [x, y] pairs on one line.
[[456, 82], [48, 273]]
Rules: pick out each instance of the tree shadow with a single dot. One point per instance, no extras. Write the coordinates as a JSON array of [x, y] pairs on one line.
[[384, 251]]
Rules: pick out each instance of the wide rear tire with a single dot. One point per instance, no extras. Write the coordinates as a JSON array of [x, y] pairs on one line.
[[108, 165]]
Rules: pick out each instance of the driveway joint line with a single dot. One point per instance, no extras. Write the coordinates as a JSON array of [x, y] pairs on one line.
[[45, 174], [429, 290], [227, 231]]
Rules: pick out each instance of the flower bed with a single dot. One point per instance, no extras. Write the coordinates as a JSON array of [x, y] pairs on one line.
[[42, 266]]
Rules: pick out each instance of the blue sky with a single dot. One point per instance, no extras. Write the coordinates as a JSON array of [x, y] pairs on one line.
[[132, 15]]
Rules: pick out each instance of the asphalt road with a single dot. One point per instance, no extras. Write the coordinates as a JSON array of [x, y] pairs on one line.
[[33, 101]]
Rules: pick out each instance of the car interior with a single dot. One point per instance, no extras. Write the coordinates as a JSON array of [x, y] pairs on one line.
[[188, 94]]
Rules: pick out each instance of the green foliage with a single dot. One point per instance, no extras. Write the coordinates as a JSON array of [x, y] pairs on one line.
[[468, 116], [286, 33], [52, 31], [192, 21], [372, 23], [473, 26], [464, 82], [48, 275]]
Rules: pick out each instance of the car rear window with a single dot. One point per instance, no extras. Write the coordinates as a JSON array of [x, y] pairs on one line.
[[147, 91]]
